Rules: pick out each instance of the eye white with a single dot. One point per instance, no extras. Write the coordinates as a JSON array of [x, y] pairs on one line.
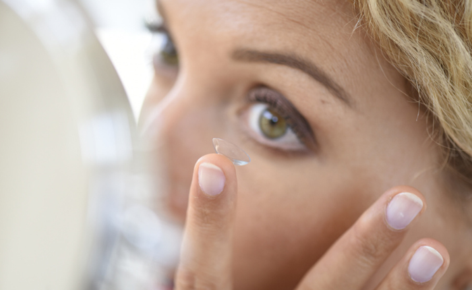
[[288, 141]]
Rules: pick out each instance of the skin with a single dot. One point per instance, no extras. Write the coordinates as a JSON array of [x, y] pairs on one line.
[[292, 207]]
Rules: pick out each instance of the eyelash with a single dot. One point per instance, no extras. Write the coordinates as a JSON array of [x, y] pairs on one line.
[[264, 95]]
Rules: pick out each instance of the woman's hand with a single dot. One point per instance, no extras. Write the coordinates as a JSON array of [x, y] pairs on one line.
[[348, 264]]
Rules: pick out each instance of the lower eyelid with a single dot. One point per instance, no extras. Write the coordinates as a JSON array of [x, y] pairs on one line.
[[271, 150]]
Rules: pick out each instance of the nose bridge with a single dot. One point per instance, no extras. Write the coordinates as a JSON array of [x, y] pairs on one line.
[[181, 127], [186, 117], [171, 113]]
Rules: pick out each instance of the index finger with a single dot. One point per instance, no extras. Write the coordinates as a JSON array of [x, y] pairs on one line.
[[357, 255], [206, 254]]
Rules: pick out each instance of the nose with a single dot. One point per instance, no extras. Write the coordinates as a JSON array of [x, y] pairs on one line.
[[181, 128]]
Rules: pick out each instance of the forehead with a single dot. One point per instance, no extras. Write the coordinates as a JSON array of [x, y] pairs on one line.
[[296, 11], [265, 20]]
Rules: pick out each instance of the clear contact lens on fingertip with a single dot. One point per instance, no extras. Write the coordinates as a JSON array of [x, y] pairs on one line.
[[233, 152]]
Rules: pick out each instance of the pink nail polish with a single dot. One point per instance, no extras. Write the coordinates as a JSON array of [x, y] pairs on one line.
[[402, 209], [211, 178]]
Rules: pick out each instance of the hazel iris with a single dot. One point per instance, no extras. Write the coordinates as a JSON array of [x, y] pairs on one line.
[[272, 124]]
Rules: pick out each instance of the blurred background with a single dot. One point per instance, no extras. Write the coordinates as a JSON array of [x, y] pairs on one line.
[[78, 203], [120, 27]]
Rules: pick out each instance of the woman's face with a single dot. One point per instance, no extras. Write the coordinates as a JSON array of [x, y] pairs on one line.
[[324, 118]]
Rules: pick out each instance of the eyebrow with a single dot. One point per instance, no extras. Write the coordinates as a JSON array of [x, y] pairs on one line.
[[295, 62]]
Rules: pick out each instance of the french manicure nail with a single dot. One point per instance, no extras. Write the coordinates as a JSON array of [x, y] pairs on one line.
[[211, 178], [402, 209], [424, 264]]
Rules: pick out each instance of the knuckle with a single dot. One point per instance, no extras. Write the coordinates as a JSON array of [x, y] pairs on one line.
[[204, 215], [367, 245], [210, 217], [209, 220]]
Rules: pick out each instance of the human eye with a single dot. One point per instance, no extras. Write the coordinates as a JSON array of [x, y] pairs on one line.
[[273, 121], [166, 54]]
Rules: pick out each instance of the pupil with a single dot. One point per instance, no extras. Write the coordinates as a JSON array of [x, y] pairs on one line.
[[271, 118]]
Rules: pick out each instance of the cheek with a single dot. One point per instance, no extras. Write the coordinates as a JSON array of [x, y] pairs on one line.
[[286, 220]]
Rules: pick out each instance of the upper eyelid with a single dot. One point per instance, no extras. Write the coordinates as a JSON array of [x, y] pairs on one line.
[[262, 94]]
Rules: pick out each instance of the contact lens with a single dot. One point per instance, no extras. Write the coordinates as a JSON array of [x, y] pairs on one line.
[[233, 152]]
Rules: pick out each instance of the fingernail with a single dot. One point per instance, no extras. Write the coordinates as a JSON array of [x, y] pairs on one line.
[[211, 178], [402, 209], [424, 264]]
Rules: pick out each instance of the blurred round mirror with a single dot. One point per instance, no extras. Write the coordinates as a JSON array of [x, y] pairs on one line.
[[68, 155]]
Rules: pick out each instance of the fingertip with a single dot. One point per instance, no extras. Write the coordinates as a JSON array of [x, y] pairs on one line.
[[402, 205], [391, 193], [214, 176], [438, 246], [218, 160], [428, 261]]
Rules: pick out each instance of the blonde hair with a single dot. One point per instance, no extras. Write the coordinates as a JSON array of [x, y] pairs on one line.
[[430, 43]]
